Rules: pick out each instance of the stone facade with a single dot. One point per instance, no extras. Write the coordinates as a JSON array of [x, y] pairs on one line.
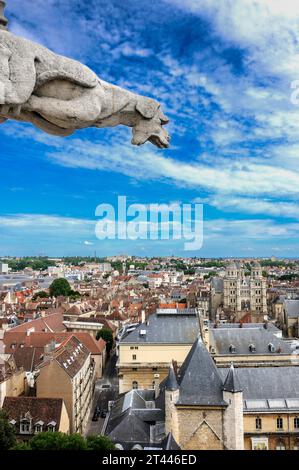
[[243, 294]]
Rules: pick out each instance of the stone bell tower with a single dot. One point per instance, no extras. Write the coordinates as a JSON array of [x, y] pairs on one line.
[[3, 20]]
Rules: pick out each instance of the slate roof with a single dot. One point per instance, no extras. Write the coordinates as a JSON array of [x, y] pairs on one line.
[[291, 308], [199, 380], [130, 420], [267, 382], [217, 284], [168, 329], [171, 383], [242, 338], [232, 383]]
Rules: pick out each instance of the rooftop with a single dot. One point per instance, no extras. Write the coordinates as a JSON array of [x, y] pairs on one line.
[[168, 329]]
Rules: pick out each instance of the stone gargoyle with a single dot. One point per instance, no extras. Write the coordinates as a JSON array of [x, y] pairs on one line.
[[60, 95]]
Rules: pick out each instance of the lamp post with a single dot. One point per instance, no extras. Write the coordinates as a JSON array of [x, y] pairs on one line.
[[3, 20]]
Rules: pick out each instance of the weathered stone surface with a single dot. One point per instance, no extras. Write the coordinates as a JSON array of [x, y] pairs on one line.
[[60, 95]]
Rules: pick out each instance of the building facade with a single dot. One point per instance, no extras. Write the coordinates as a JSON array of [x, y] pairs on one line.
[[243, 294], [146, 353], [69, 373]]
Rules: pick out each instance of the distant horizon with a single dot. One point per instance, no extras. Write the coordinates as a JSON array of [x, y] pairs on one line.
[[91, 257]]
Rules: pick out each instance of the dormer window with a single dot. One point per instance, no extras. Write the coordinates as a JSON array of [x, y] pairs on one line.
[[51, 426], [271, 347], [232, 349], [38, 427], [252, 348], [25, 426]]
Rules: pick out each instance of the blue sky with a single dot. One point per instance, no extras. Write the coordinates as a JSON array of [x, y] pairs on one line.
[[223, 72]]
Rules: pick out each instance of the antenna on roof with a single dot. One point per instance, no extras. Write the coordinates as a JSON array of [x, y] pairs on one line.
[[3, 20]]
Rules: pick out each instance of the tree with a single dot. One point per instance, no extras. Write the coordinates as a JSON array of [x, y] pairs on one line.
[[40, 295], [60, 287], [59, 441], [99, 443], [107, 336], [7, 433]]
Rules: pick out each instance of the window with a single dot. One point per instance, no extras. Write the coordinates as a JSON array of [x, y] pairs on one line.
[[155, 368], [232, 349], [296, 423], [134, 357], [279, 423], [280, 445], [25, 426], [153, 385], [38, 428], [258, 423], [136, 347], [134, 384], [134, 369], [131, 347], [252, 348]]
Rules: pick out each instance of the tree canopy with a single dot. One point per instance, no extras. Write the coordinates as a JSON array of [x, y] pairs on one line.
[[59, 441], [7, 433], [107, 336]]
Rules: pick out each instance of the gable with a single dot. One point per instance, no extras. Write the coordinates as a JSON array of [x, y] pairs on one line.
[[204, 438]]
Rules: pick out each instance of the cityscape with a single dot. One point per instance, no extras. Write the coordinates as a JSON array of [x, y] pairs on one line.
[[152, 353], [149, 235]]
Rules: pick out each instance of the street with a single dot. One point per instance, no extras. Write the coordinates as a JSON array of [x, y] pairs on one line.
[[102, 396]]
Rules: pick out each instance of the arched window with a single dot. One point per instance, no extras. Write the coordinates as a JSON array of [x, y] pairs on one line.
[[134, 384]]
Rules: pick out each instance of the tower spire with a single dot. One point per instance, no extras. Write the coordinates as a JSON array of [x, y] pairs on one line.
[[3, 20]]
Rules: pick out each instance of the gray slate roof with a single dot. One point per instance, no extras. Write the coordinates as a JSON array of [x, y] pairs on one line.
[[241, 338], [199, 380], [232, 383], [130, 418], [267, 382], [171, 381], [217, 284], [168, 329], [291, 308]]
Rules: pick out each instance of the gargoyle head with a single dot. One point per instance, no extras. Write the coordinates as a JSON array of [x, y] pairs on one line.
[[150, 126]]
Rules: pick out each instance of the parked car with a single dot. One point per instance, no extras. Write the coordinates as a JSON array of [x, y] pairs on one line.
[[105, 386]]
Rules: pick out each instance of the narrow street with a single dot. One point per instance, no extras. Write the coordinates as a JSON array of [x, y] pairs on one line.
[[102, 396]]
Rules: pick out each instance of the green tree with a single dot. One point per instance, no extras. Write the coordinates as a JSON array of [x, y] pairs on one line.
[[60, 287], [48, 441], [59, 441], [99, 443], [107, 336], [74, 442], [21, 446], [40, 295], [7, 433]]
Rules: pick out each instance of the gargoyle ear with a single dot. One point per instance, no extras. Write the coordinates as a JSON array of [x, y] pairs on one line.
[[147, 108]]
